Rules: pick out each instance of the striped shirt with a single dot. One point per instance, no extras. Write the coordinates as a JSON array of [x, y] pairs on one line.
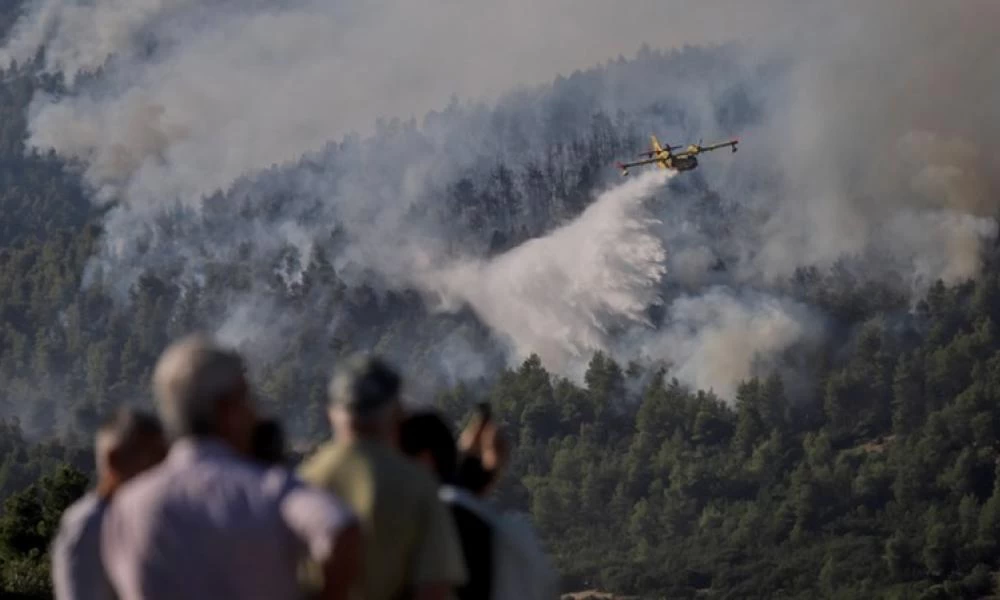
[[207, 524]]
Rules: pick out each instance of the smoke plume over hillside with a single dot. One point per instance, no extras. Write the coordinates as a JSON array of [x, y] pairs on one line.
[[556, 296], [867, 145], [883, 137]]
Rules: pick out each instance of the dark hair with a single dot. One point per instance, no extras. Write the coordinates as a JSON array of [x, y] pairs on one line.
[[427, 431], [268, 445], [121, 432], [128, 423]]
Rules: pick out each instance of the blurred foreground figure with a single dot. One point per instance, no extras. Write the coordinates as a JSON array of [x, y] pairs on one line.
[[209, 522], [411, 546], [484, 453], [425, 437], [503, 554], [126, 445], [269, 443]]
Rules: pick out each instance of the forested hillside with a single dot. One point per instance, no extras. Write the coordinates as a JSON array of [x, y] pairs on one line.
[[825, 430], [886, 487], [269, 265]]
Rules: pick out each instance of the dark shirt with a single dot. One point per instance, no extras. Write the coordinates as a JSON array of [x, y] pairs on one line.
[[477, 548]]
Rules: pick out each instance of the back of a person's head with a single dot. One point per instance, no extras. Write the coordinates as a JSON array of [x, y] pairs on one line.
[[129, 422], [365, 388], [191, 377], [426, 431], [132, 432]]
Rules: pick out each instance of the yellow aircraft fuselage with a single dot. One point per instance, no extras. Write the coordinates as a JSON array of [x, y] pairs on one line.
[[664, 158]]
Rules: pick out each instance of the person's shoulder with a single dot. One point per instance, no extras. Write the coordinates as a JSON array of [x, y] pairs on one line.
[[317, 465], [81, 517], [462, 499], [416, 479], [278, 480], [140, 492], [83, 508], [322, 452], [401, 465], [149, 480]]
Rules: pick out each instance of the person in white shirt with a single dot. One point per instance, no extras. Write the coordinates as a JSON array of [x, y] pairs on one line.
[[502, 553], [210, 522], [126, 445]]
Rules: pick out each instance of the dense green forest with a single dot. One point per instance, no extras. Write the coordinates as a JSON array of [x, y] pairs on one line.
[[874, 474], [886, 486]]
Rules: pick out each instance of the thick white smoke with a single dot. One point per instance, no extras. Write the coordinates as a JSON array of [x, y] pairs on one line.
[[719, 338], [199, 93], [427, 50], [881, 140], [877, 145]]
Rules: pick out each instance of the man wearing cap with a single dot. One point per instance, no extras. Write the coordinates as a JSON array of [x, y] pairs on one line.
[[412, 549]]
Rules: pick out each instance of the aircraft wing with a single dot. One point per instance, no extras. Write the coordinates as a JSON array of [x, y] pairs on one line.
[[624, 167], [639, 163], [732, 143], [657, 148]]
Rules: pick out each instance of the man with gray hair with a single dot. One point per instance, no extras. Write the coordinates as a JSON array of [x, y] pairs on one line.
[[412, 548], [127, 444], [209, 522]]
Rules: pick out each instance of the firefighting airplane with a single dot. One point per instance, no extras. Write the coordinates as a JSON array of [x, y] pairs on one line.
[[665, 158]]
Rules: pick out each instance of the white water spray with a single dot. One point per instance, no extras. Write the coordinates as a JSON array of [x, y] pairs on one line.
[[557, 295]]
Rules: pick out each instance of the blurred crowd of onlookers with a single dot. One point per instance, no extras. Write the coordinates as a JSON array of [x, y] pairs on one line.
[[202, 501]]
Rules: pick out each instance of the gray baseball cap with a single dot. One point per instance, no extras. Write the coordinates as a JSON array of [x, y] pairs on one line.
[[363, 384]]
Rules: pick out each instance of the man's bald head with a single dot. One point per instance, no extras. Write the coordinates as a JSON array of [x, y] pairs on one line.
[[194, 382]]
